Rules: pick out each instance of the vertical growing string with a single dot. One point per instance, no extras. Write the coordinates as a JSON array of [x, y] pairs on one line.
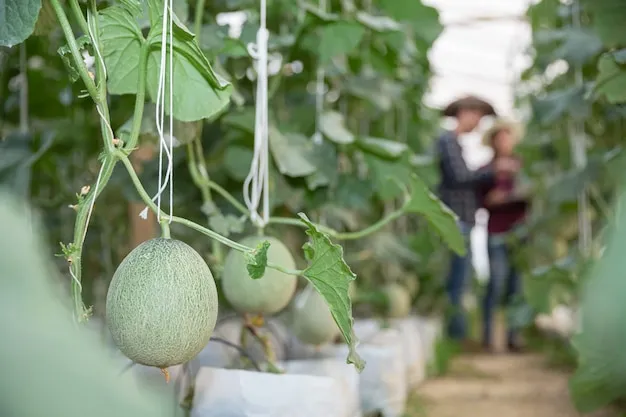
[[256, 185], [166, 147], [319, 94], [579, 154]]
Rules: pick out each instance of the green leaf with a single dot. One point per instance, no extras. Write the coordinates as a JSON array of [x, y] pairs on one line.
[[576, 46], [291, 152], [257, 260], [121, 41], [384, 148], [388, 174], [611, 81], [333, 126], [339, 38], [424, 202], [324, 157], [66, 56], [133, 6], [198, 92], [608, 20], [47, 20], [331, 277], [601, 374], [237, 160], [423, 19], [317, 13], [17, 20], [377, 23], [560, 103]]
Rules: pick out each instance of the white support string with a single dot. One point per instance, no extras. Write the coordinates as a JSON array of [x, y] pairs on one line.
[[256, 185], [165, 146], [319, 93]]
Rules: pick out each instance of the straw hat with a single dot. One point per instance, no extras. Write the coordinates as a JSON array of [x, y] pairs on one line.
[[499, 125], [468, 102]]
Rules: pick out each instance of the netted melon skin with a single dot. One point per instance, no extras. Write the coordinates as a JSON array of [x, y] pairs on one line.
[[162, 304], [267, 295]]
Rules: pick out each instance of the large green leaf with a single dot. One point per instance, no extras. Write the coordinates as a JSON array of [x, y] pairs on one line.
[[17, 20], [384, 148], [387, 175], [424, 202], [199, 93], [121, 41], [291, 152], [560, 103], [423, 19], [339, 38], [576, 46], [331, 277], [333, 126], [608, 20], [601, 374], [611, 81], [324, 157]]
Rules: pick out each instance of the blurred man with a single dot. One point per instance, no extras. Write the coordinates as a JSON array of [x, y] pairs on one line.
[[458, 189]]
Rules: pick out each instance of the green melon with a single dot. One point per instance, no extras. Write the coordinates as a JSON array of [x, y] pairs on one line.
[[162, 303], [399, 301], [267, 295], [312, 321]]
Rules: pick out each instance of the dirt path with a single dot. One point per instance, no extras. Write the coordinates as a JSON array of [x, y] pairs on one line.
[[498, 386]]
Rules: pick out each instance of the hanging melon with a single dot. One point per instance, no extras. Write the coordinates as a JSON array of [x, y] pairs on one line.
[[267, 295], [162, 303], [312, 321]]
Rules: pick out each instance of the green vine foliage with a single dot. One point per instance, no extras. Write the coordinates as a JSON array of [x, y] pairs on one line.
[[575, 87], [359, 187]]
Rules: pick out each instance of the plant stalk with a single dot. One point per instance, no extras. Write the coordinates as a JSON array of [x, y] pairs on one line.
[[71, 42]]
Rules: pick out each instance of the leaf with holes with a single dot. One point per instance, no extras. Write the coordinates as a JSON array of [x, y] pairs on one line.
[[257, 260], [331, 276]]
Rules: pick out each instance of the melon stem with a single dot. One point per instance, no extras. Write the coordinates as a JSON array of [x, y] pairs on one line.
[[165, 229]]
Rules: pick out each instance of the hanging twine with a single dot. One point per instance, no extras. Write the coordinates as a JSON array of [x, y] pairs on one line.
[[165, 146], [256, 185]]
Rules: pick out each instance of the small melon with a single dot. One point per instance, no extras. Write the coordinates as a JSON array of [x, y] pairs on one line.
[[312, 321], [161, 306], [399, 301], [267, 295]]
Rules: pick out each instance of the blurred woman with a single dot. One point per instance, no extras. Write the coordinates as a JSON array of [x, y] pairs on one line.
[[507, 205]]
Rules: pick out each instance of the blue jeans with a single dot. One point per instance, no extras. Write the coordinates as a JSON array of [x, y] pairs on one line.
[[458, 276], [503, 284]]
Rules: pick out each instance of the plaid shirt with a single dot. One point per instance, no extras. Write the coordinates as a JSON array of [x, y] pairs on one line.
[[459, 184]]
